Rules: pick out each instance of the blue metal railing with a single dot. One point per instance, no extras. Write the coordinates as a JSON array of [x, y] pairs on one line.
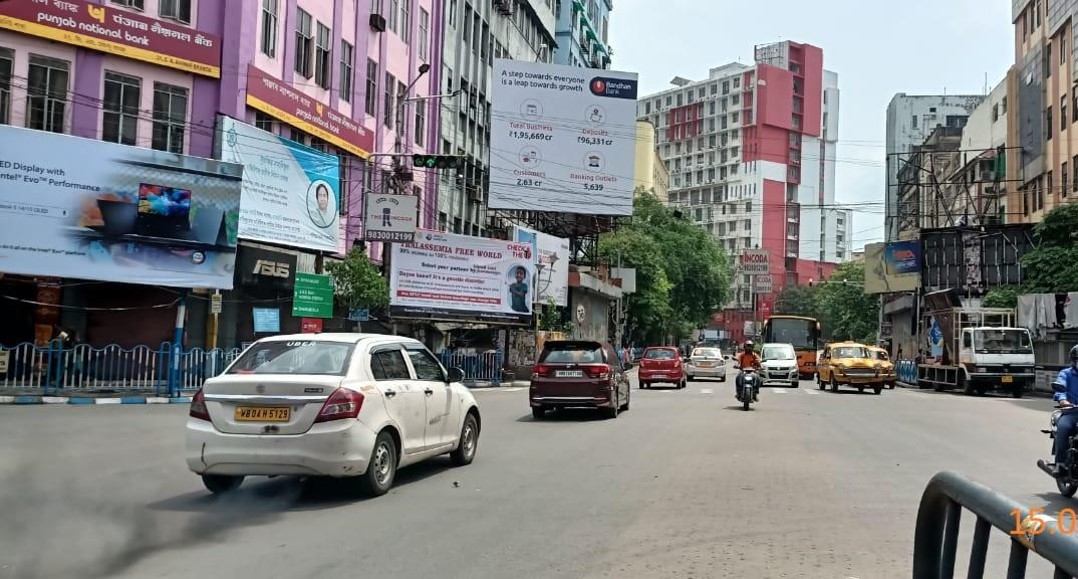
[[907, 372], [55, 368], [486, 367]]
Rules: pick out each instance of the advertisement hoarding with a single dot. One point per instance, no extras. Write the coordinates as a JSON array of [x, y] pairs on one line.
[[452, 276], [390, 218], [892, 267], [291, 193], [279, 100], [82, 208], [552, 265], [100, 27], [762, 284], [563, 139], [755, 261]]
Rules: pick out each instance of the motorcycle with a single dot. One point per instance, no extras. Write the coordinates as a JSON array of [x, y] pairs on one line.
[[1067, 482], [750, 387]]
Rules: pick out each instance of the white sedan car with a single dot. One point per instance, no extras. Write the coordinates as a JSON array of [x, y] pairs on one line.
[[338, 405], [706, 363]]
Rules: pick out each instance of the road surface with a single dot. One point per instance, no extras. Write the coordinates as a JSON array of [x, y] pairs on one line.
[[685, 484]]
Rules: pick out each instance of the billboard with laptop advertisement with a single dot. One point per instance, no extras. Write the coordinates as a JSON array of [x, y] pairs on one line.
[[291, 193], [892, 267], [551, 265], [81, 208]]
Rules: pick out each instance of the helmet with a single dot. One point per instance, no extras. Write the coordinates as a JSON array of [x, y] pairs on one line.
[[748, 345]]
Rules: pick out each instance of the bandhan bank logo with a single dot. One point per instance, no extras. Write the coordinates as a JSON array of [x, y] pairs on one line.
[[97, 13], [613, 87]]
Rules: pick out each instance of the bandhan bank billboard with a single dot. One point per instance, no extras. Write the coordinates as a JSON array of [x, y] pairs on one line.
[[892, 267]]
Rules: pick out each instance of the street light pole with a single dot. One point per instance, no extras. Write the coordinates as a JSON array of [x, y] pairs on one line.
[[396, 182]]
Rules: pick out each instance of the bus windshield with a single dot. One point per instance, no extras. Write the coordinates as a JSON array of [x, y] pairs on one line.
[[799, 333]]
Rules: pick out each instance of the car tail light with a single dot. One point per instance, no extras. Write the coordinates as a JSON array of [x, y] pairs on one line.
[[600, 371], [198, 406], [541, 371], [343, 403]]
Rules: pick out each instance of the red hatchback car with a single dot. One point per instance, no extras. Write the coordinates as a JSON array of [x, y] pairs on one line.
[[662, 364], [578, 373]]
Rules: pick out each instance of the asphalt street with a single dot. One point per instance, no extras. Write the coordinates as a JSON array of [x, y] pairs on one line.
[[685, 484]]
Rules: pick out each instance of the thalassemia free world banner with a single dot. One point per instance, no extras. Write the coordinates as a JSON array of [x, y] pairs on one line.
[[82, 208], [443, 271], [291, 193]]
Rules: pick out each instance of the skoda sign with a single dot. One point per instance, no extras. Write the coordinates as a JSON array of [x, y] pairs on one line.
[[755, 261]]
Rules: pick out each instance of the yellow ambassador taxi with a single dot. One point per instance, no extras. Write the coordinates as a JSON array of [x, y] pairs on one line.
[[887, 367], [850, 364]]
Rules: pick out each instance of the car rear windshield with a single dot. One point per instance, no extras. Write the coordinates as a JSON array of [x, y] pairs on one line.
[[572, 353], [779, 353], [706, 353], [294, 357], [657, 354]]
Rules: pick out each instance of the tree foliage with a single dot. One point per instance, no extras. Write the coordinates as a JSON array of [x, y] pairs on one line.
[[1051, 267], [683, 275], [844, 307], [798, 300], [1001, 297], [359, 283]]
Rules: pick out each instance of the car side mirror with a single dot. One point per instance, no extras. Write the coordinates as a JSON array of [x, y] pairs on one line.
[[455, 375]]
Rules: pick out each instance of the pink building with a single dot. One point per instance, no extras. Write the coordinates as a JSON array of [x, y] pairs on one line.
[[157, 73]]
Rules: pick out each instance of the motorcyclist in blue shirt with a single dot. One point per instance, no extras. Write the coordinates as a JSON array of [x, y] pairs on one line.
[[1066, 387]]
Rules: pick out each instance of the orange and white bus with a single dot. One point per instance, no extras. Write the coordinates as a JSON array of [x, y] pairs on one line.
[[802, 332]]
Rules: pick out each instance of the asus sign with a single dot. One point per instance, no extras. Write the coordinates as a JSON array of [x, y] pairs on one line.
[[261, 268]]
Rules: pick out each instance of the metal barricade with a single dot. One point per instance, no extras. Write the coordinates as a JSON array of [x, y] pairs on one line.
[[935, 545], [907, 372], [83, 369], [484, 367]]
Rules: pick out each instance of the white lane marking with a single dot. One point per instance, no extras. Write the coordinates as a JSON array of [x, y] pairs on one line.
[[779, 390], [807, 391], [510, 389], [706, 391]]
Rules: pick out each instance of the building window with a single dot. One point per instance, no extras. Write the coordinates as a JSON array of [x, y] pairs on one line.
[[136, 4], [376, 6], [1062, 49], [370, 100], [304, 43], [269, 27], [1048, 60], [387, 116], [176, 10], [1048, 122], [347, 66], [1074, 181], [265, 122], [424, 35], [420, 121], [1063, 113], [406, 22], [7, 59], [169, 117], [120, 109], [394, 12], [322, 53], [1063, 176], [46, 94], [913, 121]]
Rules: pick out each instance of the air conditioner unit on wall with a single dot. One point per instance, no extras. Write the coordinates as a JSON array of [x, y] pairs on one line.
[[378, 22]]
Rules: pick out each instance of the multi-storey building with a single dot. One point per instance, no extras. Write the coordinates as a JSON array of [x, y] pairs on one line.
[[325, 73], [751, 154], [582, 32], [910, 121], [477, 32], [1043, 111], [649, 169]]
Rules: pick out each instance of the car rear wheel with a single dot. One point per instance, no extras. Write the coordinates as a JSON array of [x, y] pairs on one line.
[[628, 394], [683, 384], [819, 382], [834, 384], [469, 442], [877, 390], [538, 412], [383, 466], [611, 412], [220, 484]]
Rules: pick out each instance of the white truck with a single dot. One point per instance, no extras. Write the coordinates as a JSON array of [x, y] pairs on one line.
[[973, 349]]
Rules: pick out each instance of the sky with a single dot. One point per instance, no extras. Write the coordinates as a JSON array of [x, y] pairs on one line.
[[912, 46]]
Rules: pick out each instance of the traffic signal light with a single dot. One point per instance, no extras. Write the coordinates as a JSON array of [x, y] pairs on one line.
[[436, 161]]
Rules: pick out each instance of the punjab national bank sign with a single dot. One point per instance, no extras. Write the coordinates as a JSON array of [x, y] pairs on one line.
[[123, 33]]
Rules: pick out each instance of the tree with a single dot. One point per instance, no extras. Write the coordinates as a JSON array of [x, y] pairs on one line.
[[851, 314], [1001, 297], [683, 275], [1051, 267], [359, 283], [798, 300]]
